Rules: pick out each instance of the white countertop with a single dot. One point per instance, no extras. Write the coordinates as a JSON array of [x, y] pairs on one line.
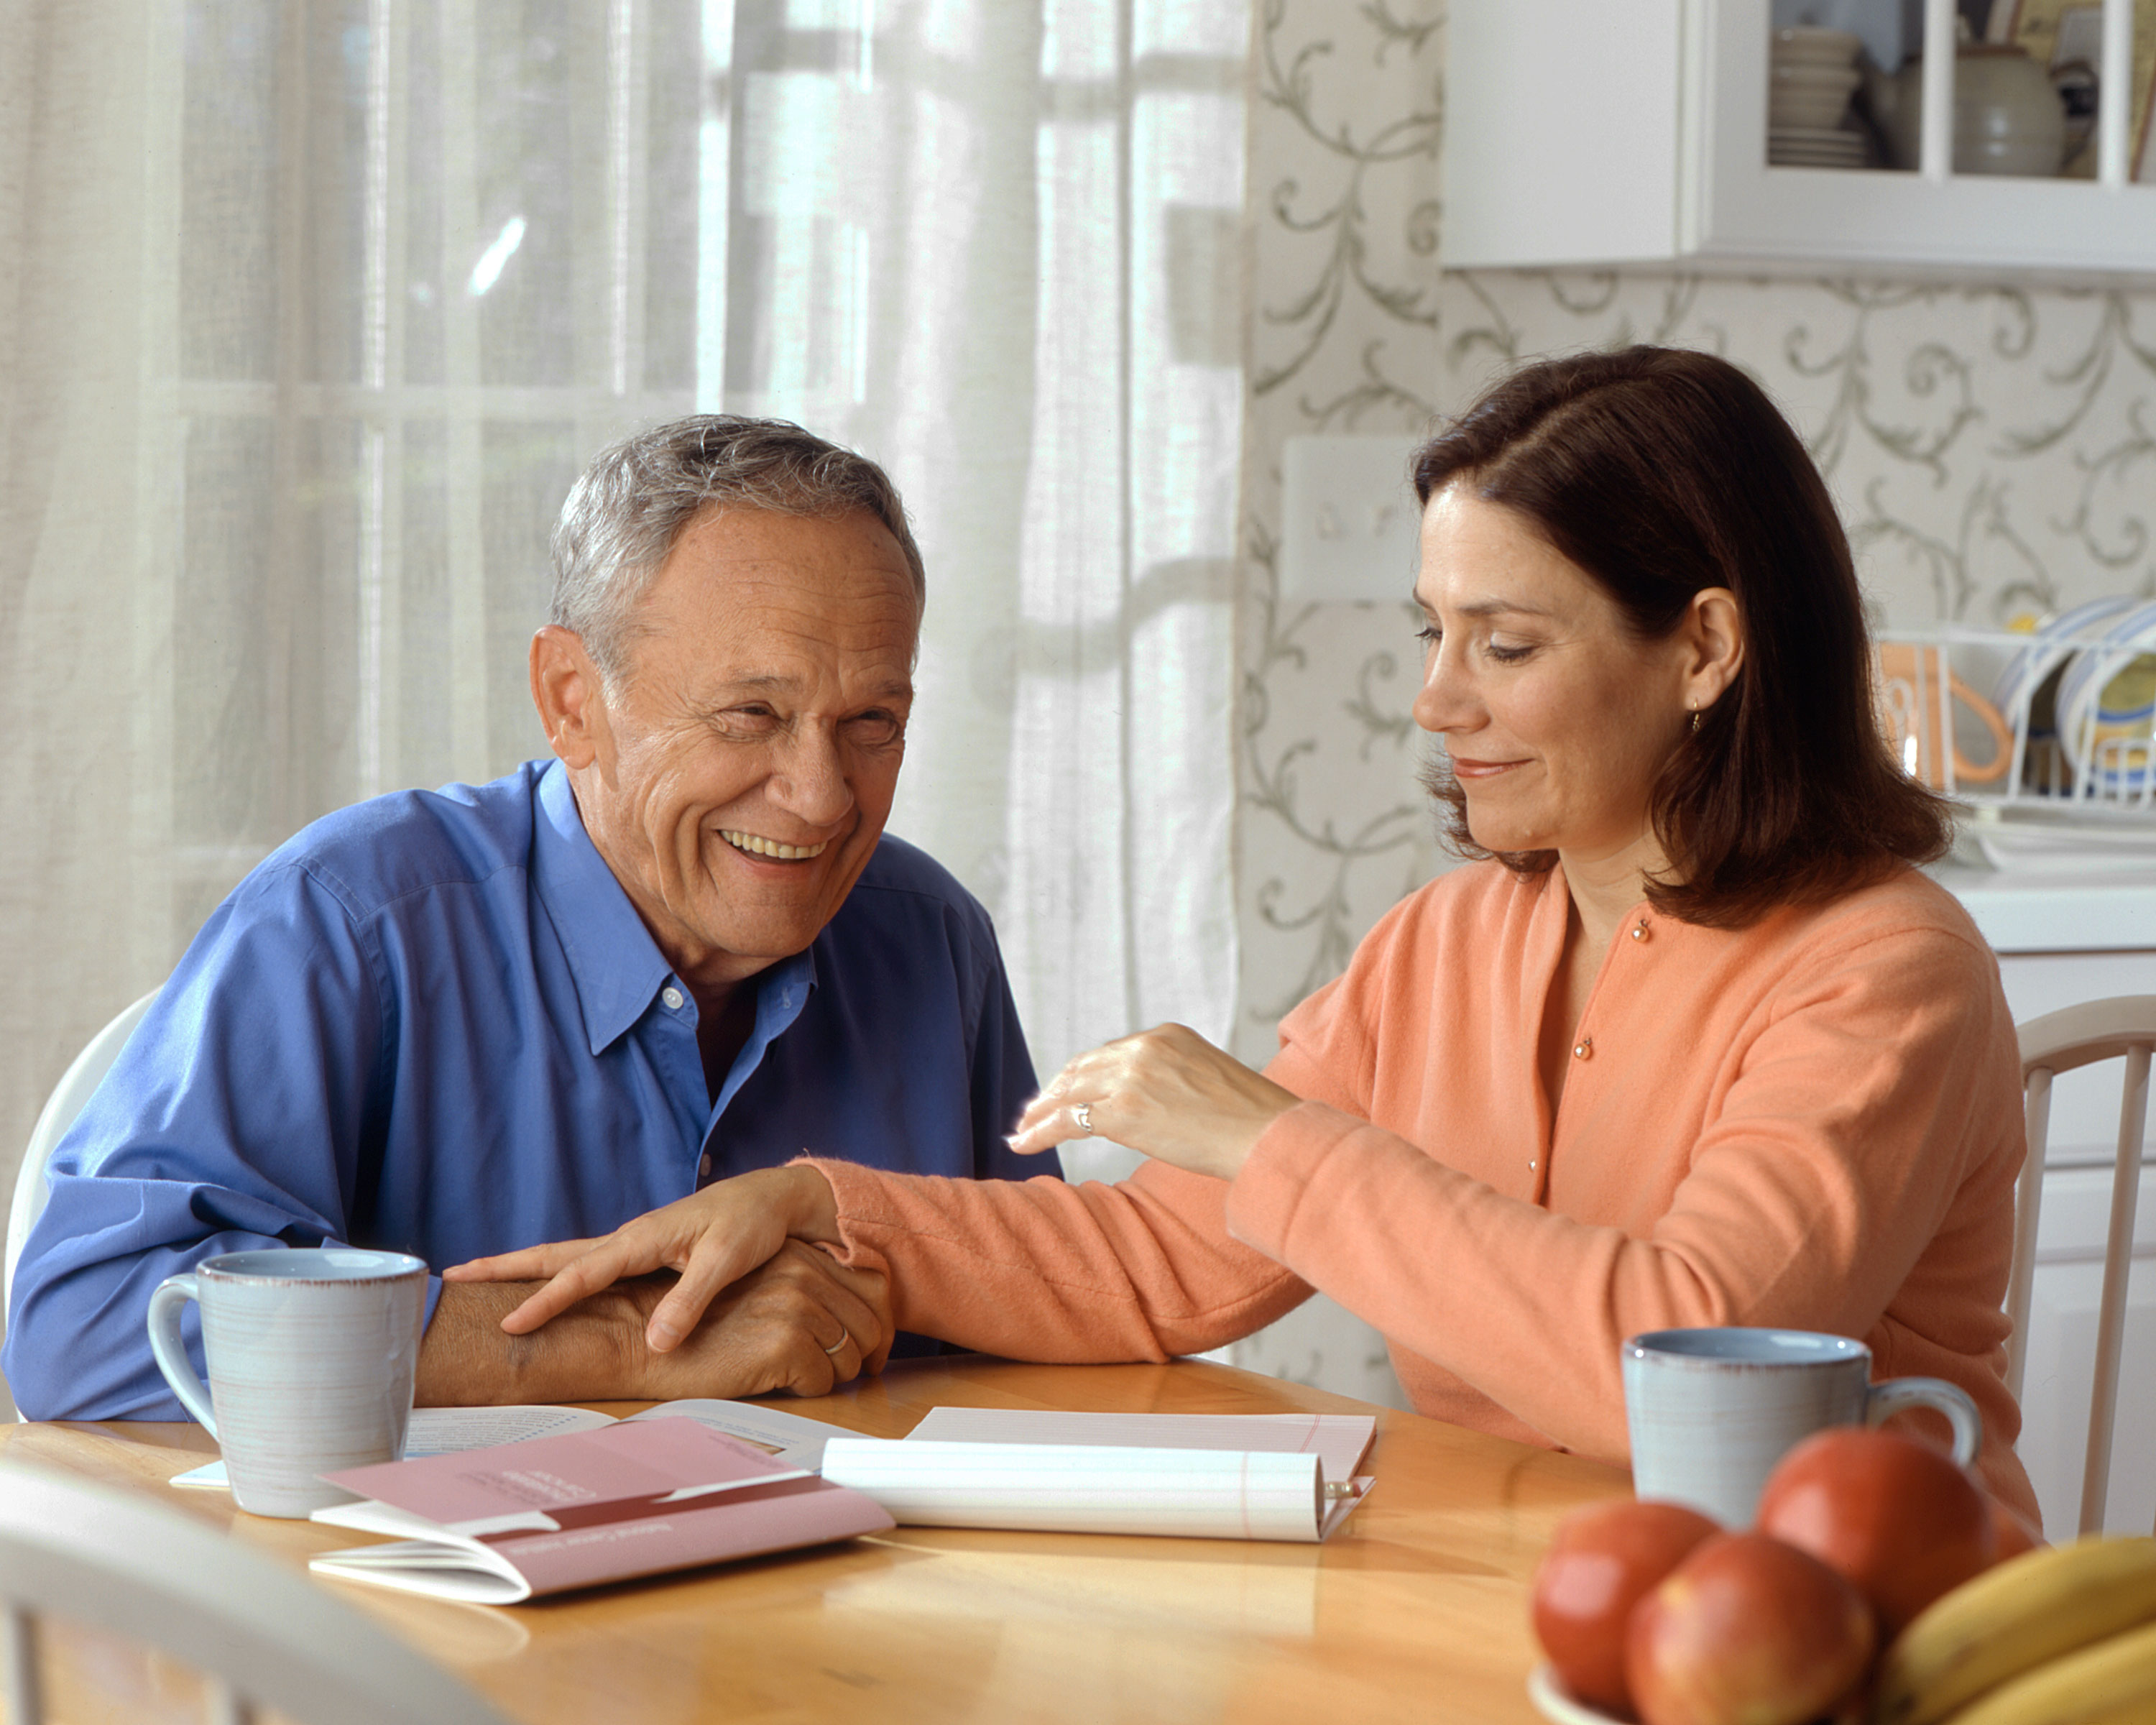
[[2059, 911]]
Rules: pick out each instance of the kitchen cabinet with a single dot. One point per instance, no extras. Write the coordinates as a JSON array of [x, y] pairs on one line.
[[2062, 940], [1582, 134]]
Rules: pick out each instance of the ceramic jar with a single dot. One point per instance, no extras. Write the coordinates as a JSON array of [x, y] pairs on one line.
[[2008, 116]]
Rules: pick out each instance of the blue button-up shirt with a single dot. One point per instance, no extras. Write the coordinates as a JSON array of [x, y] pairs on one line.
[[434, 1022]]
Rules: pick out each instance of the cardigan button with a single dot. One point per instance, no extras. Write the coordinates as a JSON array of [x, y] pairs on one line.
[[1584, 1048]]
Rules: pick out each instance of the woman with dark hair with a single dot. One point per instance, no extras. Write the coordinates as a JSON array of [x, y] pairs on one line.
[[1691, 1042]]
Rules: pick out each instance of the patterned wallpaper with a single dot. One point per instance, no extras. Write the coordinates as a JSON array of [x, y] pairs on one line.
[[1992, 445]]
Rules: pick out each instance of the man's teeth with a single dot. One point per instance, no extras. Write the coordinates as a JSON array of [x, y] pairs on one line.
[[757, 846]]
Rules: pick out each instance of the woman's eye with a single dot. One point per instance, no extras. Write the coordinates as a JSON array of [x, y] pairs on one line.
[[1430, 633], [1505, 655]]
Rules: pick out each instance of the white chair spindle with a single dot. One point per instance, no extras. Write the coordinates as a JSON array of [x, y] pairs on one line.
[[2118, 1268]]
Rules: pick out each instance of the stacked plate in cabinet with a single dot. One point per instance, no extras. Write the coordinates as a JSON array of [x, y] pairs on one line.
[[1812, 75], [1806, 147]]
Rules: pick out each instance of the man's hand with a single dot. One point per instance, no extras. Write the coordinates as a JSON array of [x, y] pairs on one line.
[[714, 1238], [801, 1321]]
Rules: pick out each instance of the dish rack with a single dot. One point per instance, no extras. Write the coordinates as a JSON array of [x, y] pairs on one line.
[[2047, 737]]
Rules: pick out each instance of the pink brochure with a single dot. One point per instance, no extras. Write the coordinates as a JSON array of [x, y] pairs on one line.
[[514, 1521]]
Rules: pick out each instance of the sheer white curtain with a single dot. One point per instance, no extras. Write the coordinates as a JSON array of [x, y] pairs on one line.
[[309, 309]]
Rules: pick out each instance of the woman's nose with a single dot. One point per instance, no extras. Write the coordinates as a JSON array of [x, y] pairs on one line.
[[1444, 702]]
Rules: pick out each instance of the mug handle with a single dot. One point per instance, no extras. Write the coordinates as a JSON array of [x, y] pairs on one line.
[[170, 1353], [1966, 771], [1881, 1400]]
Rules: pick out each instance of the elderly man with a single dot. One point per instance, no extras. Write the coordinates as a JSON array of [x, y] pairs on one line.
[[461, 1022]]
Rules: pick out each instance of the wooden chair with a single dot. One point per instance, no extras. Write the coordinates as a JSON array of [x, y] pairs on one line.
[[82, 1076], [2059, 1042], [263, 1636]]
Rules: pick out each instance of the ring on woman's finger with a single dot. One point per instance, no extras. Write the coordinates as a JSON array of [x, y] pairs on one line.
[[1084, 1112], [838, 1346]]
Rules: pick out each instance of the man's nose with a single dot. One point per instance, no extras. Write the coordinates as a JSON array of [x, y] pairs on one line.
[[811, 779]]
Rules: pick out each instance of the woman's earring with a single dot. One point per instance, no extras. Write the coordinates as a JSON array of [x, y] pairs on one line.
[[1695, 720]]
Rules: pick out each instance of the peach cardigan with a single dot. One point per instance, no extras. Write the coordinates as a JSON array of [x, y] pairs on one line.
[[1813, 1123]]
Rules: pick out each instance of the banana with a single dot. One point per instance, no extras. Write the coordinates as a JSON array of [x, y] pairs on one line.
[[2023, 1614], [2112, 1683]]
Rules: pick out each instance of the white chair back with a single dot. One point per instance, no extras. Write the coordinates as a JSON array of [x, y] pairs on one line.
[[2076, 1036], [265, 1637], [57, 1115]]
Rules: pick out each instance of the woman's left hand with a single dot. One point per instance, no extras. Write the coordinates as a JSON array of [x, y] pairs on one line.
[[1166, 1091]]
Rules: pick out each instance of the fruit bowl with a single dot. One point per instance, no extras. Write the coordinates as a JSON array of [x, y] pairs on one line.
[[1547, 1690]]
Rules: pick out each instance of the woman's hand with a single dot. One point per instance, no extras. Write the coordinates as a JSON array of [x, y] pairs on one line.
[[1167, 1092], [713, 1238]]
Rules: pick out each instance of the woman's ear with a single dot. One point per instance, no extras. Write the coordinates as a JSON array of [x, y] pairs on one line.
[[1714, 631], [571, 696]]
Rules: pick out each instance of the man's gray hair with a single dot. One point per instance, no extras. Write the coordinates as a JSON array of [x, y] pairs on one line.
[[622, 518]]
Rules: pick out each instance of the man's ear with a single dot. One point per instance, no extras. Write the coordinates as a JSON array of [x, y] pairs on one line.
[[570, 694]]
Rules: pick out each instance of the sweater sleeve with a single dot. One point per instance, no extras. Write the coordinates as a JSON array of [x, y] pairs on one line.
[[1040, 1270], [1842, 1137]]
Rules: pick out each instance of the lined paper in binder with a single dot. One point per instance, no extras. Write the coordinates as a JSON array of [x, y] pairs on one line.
[[1225, 1476]]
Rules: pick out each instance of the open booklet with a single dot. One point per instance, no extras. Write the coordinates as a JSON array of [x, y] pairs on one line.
[[513, 1522], [441, 1431], [1290, 1477]]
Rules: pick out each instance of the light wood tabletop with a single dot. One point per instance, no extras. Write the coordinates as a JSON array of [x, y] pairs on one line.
[[1416, 1610]]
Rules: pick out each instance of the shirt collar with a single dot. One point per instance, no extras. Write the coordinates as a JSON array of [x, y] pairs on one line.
[[616, 965]]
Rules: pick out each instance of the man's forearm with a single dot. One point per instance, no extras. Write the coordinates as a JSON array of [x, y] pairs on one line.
[[594, 1351]]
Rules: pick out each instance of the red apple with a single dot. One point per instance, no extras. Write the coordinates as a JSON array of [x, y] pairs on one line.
[[1603, 1560], [1746, 1629], [1891, 1513]]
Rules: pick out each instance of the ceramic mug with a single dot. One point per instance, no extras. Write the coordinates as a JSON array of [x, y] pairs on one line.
[[1919, 724], [311, 1354], [1712, 1411]]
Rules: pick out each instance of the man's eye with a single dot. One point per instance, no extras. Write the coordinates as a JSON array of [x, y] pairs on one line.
[[877, 729]]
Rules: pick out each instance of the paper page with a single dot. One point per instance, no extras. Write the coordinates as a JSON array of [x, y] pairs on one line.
[[439, 1571], [441, 1431], [1338, 1441], [1200, 1493], [793, 1438]]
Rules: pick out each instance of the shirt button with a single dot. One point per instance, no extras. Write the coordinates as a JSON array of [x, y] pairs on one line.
[[672, 997], [1531, 1168], [1584, 1048], [704, 1166]]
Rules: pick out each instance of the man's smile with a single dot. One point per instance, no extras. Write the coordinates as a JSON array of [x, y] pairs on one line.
[[758, 845]]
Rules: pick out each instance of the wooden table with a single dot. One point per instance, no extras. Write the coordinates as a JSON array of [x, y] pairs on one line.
[[1417, 1610]]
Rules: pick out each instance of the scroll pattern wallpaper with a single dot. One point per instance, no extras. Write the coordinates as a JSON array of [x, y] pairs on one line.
[[1992, 446]]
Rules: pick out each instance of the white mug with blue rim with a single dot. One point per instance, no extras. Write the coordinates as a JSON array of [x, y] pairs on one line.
[[312, 1354], [1711, 1411]]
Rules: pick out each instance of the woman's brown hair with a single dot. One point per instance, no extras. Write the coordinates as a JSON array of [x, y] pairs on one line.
[[1659, 472]]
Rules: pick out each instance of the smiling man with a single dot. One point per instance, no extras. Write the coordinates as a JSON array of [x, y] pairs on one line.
[[461, 1022]]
